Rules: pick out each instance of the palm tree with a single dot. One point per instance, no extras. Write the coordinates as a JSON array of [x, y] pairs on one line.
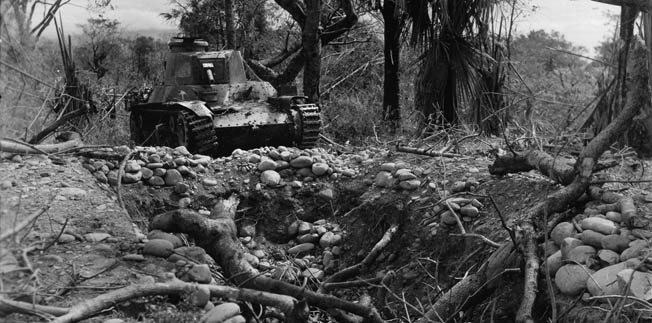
[[447, 31]]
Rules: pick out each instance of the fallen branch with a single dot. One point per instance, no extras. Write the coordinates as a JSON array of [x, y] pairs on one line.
[[427, 152], [358, 268], [56, 124], [93, 306], [121, 172], [8, 306], [14, 147]]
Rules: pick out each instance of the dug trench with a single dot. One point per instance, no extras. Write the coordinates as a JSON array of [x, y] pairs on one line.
[[368, 227], [324, 213]]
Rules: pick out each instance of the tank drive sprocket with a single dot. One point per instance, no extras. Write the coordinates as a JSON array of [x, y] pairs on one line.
[[310, 125], [174, 128]]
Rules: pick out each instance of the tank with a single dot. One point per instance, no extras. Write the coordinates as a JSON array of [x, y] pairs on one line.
[[211, 102]]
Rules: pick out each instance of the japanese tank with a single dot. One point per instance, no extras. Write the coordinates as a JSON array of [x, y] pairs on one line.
[[212, 103]]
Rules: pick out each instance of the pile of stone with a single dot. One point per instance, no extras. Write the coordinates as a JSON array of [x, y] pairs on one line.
[[446, 213], [319, 237], [192, 263], [158, 166], [597, 254]]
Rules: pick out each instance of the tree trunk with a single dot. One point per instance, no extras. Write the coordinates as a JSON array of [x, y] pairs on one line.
[[436, 89], [312, 50], [230, 24], [391, 91]]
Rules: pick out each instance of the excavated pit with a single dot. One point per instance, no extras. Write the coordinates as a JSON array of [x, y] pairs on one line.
[[426, 259]]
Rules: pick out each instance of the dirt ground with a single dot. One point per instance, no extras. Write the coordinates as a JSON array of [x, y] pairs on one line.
[[85, 244]]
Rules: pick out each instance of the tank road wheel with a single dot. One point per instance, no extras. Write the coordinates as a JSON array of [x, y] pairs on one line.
[[307, 125]]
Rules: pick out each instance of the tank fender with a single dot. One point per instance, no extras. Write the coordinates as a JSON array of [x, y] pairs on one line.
[[287, 101], [199, 108]]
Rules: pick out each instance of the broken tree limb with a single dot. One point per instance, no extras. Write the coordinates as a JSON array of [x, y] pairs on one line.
[[559, 169], [358, 268], [8, 306], [13, 147], [217, 234], [427, 152], [56, 124], [93, 306], [473, 287]]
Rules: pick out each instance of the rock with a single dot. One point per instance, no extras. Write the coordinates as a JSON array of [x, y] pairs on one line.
[[146, 173], [550, 247], [458, 186], [135, 257], [158, 247], [561, 231], [448, 218], [304, 227], [181, 188], [553, 262], [327, 258], [132, 166], [582, 255], [601, 225], [319, 169], [156, 181], [326, 194], [155, 166], [608, 257], [301, 162], [200, 296], [73, 193], [180, 161], [221, 313], [182, 150], [604, 281], [113, 321], [327, 239], [301, 249], [614, 216], [567, 245], [592, 238], [470, 211], [130, 178], [384, 179], [640, 286], [198, 273], [236, 319], [172, 177], [96, 236], [209, 182], [308, 237], [158, 234], [305, 172], [254, 158], [266, 164], [100, 177], [65, 238], [615, 242], [410, 185], [632, 252], [572, 279], [270, 177], [293, 228]]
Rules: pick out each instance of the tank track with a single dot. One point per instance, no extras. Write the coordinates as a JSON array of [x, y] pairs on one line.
[[310, 125], [200, 133]]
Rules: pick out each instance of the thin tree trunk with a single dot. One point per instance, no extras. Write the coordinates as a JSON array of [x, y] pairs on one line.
[[312, 50], [230, 24], [391, 91]]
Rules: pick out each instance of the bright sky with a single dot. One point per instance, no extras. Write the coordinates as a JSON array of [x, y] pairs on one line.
[[583, 22]]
